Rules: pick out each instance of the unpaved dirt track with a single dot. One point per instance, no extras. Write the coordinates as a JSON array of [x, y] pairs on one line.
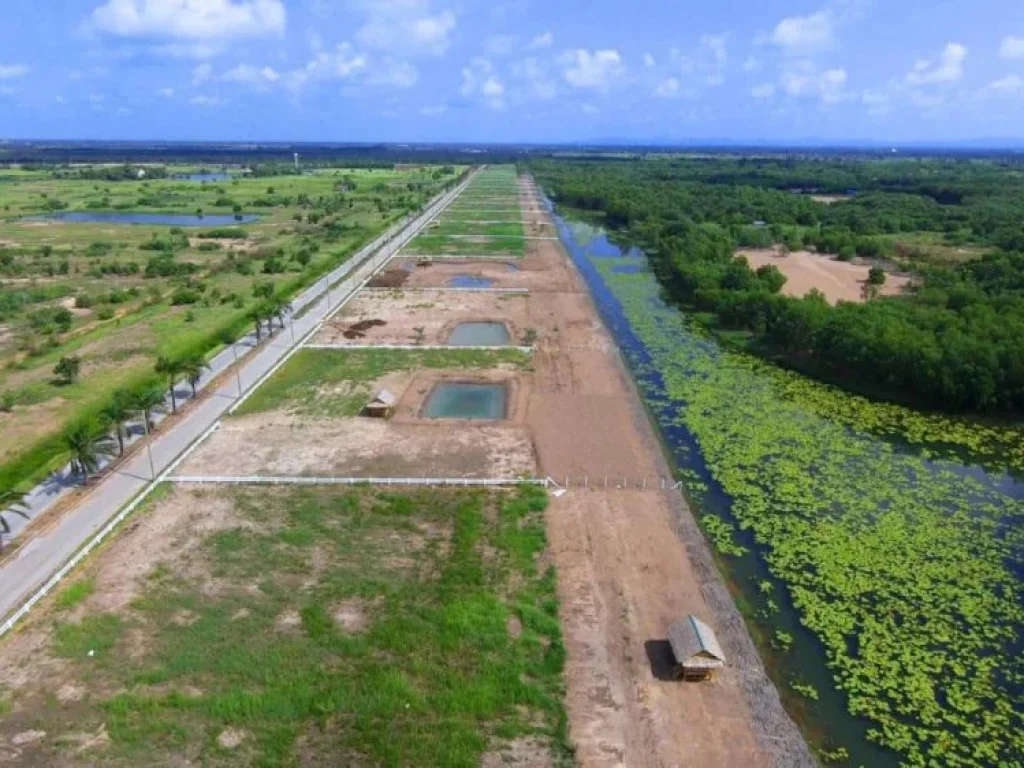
[[631, 562]]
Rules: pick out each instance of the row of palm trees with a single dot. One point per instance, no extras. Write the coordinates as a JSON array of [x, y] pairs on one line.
[[272, 309]]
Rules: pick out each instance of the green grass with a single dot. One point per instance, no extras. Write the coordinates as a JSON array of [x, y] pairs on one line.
[[511, 229], [434, 677], [310, 383], [74, 594], [439, 245]]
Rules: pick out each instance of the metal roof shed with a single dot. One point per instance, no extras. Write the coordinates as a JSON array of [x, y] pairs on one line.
[[696, 648]]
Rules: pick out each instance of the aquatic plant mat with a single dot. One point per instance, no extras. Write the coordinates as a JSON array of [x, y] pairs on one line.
[[257, 626], [879, 541]]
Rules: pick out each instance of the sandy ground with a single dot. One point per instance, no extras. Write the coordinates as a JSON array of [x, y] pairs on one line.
[[538, 273], [437, 313], [838, 280]]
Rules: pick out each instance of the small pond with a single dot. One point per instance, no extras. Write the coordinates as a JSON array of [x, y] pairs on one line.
[[151, 219], [470, 281], [462, 400], [480, 334]]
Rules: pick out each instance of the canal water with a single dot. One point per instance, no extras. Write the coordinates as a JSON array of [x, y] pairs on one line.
[[660, 345], [150, 219]]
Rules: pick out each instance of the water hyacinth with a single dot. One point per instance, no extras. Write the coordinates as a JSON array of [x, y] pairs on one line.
[[901, 559]]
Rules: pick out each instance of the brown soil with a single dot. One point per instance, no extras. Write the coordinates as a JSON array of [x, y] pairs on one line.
[[390, 278], [393, 317], [838, 280], [537, 272]]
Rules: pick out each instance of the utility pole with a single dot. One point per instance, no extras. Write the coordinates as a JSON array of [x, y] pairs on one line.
[[238, 374]]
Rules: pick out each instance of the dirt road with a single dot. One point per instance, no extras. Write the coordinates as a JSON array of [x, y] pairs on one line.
[[631, 562]]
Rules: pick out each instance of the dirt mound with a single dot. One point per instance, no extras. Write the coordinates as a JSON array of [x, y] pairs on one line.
[[392, 278], [358, 330]]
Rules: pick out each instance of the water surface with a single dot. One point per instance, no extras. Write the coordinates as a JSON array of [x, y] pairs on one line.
[[150, 219], [480, 334], [470, 281], [461, 400]]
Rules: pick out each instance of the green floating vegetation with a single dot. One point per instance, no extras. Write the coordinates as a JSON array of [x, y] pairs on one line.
[[335, 382], [899, 560]]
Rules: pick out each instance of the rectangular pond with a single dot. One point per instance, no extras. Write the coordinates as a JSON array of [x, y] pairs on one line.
[[465, 400], [151, 219], [470, 281], [480, 334]]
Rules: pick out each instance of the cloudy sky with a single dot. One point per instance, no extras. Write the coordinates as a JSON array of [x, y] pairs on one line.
[[512, 70]]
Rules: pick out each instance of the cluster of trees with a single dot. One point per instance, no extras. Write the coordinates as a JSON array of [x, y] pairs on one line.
[[955, 342]]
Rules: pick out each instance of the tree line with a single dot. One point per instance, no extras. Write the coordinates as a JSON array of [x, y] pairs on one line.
[[953, 342]]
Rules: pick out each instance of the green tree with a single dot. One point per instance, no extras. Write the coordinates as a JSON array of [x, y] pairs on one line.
[[116, 414], [148, 400], [68, 368], [192, 369], [12, 502], [172, 369], [876, 276], [86, 448]]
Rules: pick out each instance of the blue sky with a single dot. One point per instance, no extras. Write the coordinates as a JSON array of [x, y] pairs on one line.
[[512, 70]]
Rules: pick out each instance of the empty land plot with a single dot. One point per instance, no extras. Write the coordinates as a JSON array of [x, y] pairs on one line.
[[535, 272], [397, 317], [306, 420], [837, 280], [256, 626], [491, 229]]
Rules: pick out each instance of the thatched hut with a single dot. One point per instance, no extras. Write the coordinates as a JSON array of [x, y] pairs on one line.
[[698, 654], [382, 405]]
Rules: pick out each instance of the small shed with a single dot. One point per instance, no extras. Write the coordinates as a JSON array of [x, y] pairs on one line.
[[698, 654], [382, 405]]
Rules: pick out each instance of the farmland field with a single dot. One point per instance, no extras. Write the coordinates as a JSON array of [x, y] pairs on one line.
[[313, 626], [116, 297]]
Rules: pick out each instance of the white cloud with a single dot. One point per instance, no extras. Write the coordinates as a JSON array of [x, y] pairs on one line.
[[167, 93], [545, 40], [1012, 48], [1006, 85], [12, 71], [536, 78], [649, 60], [201, 74], [392, 73], [598, 70], [479, 80], [804, 81], [948, 69], [752, 64], [207, 101], [404, 27], [254, 77], [802, 35], [500, 45], [667, 89], [190, 19], [763, 91], [340, 64]]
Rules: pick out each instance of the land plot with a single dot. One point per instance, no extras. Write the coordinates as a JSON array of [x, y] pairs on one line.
[[468, 246], [306, 420], [259, 626], [397, 317], [483, 229], [837, 280], [533, 272]]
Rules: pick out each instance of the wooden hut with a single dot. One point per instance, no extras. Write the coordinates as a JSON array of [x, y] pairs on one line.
[[383, 404], [698, 654]]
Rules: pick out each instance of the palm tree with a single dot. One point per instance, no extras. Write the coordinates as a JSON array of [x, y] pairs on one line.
[[68, 368], [193, 368], [85, 448], [256, 315], [10, 501], [146, 401], [116, 413], [172, 369]]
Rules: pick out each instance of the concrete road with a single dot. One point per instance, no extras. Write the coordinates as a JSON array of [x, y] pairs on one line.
[[48, 550]]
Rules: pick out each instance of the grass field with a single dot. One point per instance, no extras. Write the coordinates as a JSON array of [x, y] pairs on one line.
[[432, 244], [446, 228], [312, 626], [119, 296], [310, 382]]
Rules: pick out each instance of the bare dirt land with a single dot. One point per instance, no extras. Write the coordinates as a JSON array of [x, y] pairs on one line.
[[436, 313], [838, 280], [537, 272]]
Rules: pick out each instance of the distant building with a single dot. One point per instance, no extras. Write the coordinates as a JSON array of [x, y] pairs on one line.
[[696, 649]]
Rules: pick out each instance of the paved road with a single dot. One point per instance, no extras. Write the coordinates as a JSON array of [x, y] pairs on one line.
[[42, 556]]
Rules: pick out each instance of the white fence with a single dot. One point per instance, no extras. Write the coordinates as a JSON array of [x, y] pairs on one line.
[[418, 347], [456, 482]]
